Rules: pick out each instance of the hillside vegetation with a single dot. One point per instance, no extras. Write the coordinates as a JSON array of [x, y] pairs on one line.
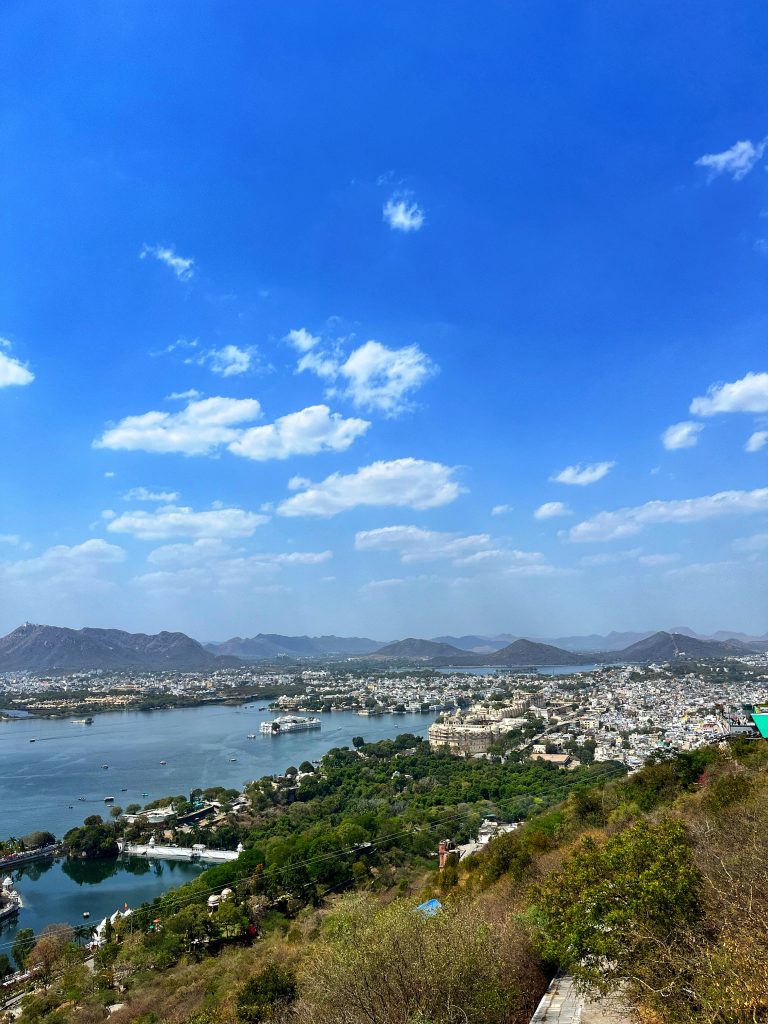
[[652, 887]]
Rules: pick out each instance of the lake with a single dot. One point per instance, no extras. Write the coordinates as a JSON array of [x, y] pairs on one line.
[[41, 782], [60, 891]]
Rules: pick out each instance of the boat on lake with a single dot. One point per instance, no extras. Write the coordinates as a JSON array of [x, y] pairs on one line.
[[289, 723]]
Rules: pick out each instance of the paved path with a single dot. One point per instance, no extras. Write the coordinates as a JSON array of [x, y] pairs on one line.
[[562, 1004]]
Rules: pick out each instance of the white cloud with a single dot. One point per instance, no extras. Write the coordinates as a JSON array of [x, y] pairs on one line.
[[64, 562], [144, 494], [413, 544], [500, 510], [737, 161], [198, 429], [403, 213], [13, 373], [381, 378], [681, 435], [210, 563], [551, 510], [750, 394], [311, 430], [402, 483], [207, 550], [229, 360], [757, 441], [10, 538], [182, 268], [372, 376], [181, 521], [204, 427], [628, 521], [180, 396], [301, 339], [582, 475]]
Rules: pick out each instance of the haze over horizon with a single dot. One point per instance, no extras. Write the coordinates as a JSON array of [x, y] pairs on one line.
[[384, 322]]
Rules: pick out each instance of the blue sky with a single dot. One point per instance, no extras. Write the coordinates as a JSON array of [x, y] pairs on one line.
[[385, 319]]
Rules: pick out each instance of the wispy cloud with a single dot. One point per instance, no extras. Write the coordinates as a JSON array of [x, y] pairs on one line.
[[582, 475], [628, 521], [144, 494], [401, 483], [681, 435], [551, 510], [757, 441], [737, 161], [372, 376], [13, 373], [750, 394], [501, 510], [181, 521], [182, 267], [403, 213], [414, 544], [231, 361]]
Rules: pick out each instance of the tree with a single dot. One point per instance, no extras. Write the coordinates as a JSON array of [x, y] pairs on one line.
[[49, 950], [392, 964], [22, 946], [357, 742], [612, 908], [5, 965], [273, 988], [231, 919], [306, 768]]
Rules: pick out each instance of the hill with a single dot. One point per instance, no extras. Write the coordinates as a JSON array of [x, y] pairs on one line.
[[473, 643], [669, 646], [423, 650], [264, 646], [529, 652], [39, 648]]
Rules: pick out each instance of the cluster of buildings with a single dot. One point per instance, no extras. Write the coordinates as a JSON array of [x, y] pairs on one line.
[[620, 714]]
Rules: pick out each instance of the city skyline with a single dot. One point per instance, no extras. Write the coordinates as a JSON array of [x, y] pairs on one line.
[[391, 325]]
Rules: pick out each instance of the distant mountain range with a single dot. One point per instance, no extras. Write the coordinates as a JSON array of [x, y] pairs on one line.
[[33, 648], [657, 647], [273, 645], [38, 648]]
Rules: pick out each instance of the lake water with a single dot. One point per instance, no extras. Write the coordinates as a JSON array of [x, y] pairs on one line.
[[40, 782], [60, 891]]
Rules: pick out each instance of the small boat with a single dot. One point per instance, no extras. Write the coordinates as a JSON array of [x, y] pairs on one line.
[[233, 759], [124, 789], [32, 740], [81, 799], [145, 794], [163, 762], [109, 799], [251, 736], [105, 766], [71, 806], [86, 913]]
